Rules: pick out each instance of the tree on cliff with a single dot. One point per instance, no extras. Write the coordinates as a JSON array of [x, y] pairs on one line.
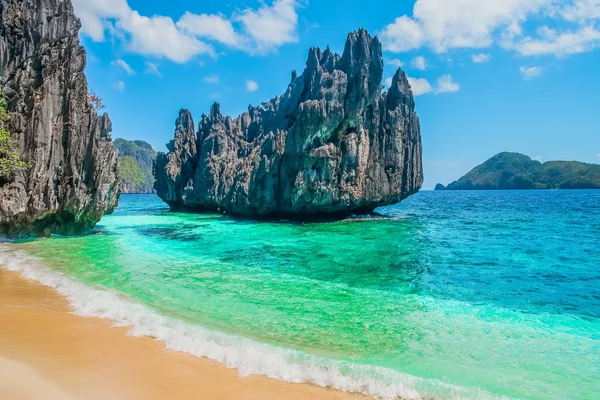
[[96, 101], [10, 160]]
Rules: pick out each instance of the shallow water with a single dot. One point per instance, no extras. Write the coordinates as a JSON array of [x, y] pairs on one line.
[[449, 294]]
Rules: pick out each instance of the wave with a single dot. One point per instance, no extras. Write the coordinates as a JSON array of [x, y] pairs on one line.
[[247, 356]]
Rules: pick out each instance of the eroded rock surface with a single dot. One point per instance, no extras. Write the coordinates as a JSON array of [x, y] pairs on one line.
[[332, 144], [72, 179]]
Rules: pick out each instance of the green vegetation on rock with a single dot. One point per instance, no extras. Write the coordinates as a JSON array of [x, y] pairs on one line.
[[514, 171], [135, 166], [10, 160]]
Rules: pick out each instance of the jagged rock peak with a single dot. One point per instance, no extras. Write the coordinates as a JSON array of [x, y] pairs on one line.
[[333, 143], [72, 179]]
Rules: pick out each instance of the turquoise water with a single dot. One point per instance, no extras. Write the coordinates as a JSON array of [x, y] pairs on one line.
[[450, 294]]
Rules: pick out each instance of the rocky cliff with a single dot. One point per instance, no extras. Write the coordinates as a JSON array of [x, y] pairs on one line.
[[136, 159], [333, 143], [71, 181]]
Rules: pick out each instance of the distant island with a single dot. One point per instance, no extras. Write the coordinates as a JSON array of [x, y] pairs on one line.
[[135, 166], [514, 171]]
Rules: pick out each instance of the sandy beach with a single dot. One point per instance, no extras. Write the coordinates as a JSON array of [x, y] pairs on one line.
[[48, 353]]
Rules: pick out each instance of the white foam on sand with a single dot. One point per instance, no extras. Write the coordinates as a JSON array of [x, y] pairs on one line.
[[247, 356]]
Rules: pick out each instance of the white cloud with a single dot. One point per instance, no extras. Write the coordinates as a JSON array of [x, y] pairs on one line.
[[445, 84], [261, 30], [419, 86], [598, 156], [443, 25], [214, 27], [396, 63], [211, 79], [158, 36], [388, 82], [538, 157], [152, 69], [119, 85], [447, 24], [269, 27], [551, 42], [404, 34], [531, 72], [251, 86], [481, 58], [419, 63], [124, 66], [94, 15], [581, 10]]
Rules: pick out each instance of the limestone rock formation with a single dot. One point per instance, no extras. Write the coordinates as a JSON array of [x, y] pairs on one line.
[[332, 144], [72, 179]]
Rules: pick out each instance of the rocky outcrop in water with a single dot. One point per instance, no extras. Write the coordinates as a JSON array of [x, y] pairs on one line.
[[72, 178], [332, 144]]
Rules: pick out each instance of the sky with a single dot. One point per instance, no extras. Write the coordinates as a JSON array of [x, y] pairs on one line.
[[489, 76]]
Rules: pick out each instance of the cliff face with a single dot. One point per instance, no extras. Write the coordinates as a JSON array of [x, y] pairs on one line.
[[514, 171], [332, 144], [72, 179], [136, 159]]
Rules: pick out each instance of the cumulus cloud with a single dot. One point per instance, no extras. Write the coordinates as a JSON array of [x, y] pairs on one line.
[[260, 30], [598, 156], [444, 84], [442, 25], [158, 36], [124, 66], [419, 63], [404, 34], [396, 63], [581, 10], [271, 26], [419, 86], [94, 15], [447, 24], [211, 79], [154, 36], [251, 86], [481, 58], [552, 42], [214, 27], [531, 72]]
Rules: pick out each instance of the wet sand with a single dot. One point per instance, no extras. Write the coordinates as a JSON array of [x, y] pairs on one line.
[[48, 353]]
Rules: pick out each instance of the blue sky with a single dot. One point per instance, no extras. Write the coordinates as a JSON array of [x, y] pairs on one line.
[[491, 76]]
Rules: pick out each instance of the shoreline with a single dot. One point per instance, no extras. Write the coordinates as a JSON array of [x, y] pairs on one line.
[[48, 352]]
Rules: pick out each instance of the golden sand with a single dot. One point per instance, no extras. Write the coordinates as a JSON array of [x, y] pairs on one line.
[[48, 353]]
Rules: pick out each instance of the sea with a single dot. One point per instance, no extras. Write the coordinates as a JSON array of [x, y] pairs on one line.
[[448, 295]]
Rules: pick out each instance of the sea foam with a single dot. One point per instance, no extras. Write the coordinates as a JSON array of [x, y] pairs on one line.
[[247, 356]]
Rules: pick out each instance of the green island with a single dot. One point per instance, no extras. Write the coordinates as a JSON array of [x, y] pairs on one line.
[[135, 166], [514, 171]]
